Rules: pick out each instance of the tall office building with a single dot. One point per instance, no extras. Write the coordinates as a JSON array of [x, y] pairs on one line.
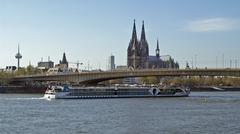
[[111, 62]]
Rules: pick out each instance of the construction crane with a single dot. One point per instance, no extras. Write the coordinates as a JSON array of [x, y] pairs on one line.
[[77, 63]]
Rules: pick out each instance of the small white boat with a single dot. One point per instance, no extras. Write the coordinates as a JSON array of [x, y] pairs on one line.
[[65, 92], [54, 92]]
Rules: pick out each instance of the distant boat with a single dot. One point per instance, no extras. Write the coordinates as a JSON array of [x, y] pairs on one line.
[[65, 92], [217, 88]]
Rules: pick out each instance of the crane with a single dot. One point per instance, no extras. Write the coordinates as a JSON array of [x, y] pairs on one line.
[[77, 63]]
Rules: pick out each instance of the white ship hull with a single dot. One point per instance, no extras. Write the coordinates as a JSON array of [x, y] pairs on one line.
[[113, 92]]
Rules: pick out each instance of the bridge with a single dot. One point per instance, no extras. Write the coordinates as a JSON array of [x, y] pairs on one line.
[[95, 77]]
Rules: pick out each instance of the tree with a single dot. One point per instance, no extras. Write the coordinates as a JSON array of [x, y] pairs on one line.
[[30, 70], [4, 78], [150, 80], [21, 71]]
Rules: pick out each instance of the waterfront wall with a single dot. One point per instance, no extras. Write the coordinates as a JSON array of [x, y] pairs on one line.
[[22, 89]]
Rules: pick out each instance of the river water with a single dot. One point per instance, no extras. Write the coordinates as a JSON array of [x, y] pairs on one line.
[[202, 112]]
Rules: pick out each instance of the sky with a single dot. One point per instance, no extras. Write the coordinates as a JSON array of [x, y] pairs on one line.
[[205, 33]]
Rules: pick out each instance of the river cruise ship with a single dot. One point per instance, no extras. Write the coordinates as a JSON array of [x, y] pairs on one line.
[[67, 92]]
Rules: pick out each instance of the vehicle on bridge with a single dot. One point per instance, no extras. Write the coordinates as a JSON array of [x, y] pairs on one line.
[[66, 92]]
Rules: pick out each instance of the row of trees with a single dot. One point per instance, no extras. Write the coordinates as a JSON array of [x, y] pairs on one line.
[[185, 81], [207, 81], [194, 81], [29, 70]]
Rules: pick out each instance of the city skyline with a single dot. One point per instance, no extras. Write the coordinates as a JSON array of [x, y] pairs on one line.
[[205, 32]]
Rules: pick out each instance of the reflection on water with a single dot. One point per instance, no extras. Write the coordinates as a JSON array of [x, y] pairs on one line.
[[202, 112]]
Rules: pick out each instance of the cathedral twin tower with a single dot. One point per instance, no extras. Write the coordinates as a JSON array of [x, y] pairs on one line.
[[138, 51], [138, 54]]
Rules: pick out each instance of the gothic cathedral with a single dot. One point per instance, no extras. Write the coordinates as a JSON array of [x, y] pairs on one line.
[[138, 54]]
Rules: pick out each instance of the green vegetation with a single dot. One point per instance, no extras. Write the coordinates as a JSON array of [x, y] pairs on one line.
[[193, 81], [206, 81], [4, 78], [29, 70], [149, 80]]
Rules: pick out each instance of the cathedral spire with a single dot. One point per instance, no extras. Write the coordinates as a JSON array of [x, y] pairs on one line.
[[134, 33], [144, 51], [143, 36], [64, 60], [134, 50], [157, 50]]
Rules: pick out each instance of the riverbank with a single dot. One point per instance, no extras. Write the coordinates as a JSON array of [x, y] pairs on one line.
[[214, 89]]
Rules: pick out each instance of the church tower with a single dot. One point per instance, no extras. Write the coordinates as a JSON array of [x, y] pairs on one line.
[[64, 60], [144, 51], [133, 55]]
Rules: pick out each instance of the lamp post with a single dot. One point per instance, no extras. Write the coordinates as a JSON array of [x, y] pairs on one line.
[[78, 63]]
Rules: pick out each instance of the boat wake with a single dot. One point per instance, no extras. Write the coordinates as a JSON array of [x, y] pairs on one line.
[[32, 98]]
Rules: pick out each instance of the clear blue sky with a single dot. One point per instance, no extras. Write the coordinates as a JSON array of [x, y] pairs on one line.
[[92, 30]]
